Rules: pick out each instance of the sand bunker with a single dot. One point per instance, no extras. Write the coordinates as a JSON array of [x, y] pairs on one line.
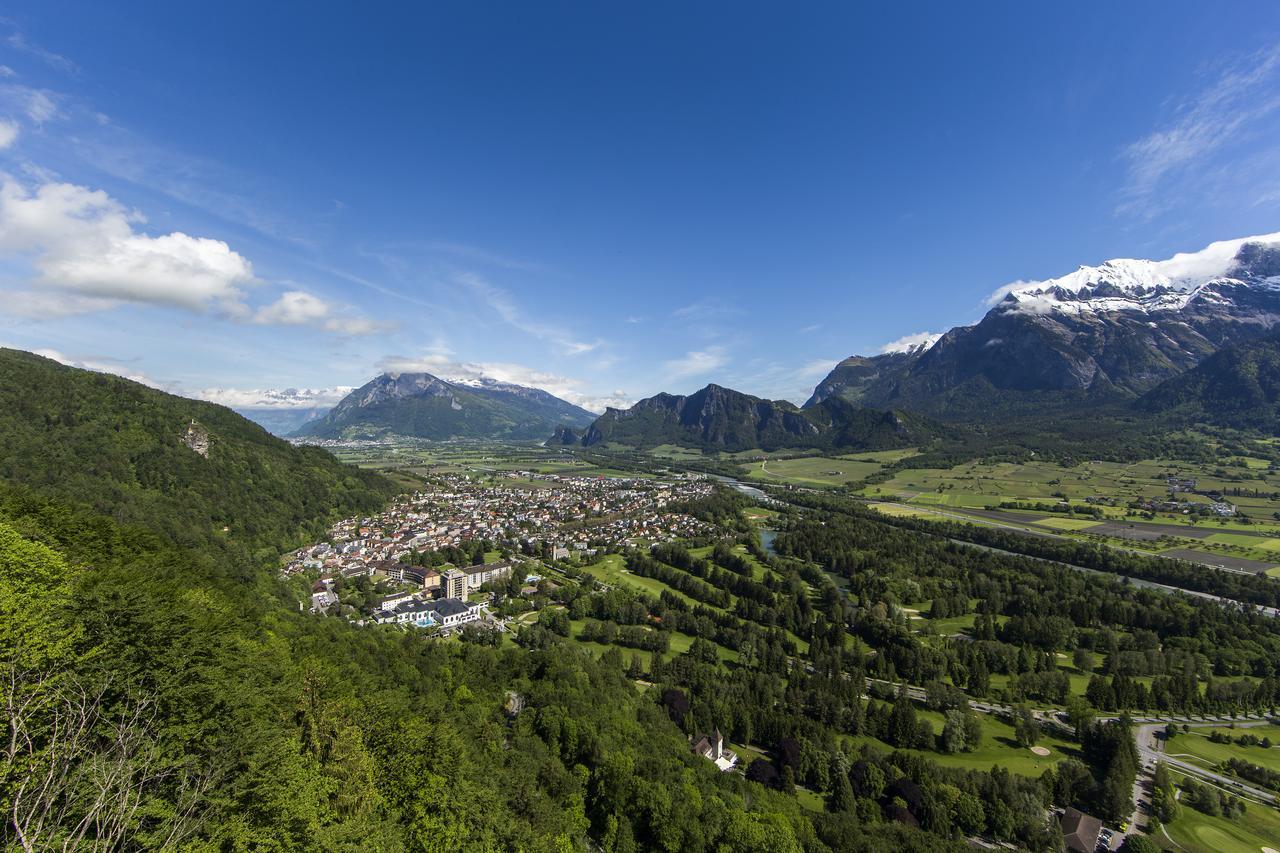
[[1043, 751]]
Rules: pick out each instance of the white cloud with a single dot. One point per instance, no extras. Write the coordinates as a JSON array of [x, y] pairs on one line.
[[84, 243], [1004, 290], [101, 365], [88, 254], [1216, 117], [17, 41], [914, 341], [8, 133], [40, 106], [695, 363], [299, 308], [287, 398]]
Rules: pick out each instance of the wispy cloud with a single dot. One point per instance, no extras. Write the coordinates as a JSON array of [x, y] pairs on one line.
[[695, 363], [19, 42], [792, 382], [480, 255], [502, 304], [1233, 105]]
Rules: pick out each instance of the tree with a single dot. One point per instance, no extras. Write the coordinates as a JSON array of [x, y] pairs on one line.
[[841, 798], [1025, 729], [1082, 659], [903, 726], [1139, 844], [954, 737]]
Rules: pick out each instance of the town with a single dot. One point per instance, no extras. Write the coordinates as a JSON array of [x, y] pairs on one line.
[[503, 524]]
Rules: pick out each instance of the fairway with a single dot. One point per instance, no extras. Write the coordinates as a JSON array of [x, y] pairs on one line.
[[1196, 743], [1195, 831]]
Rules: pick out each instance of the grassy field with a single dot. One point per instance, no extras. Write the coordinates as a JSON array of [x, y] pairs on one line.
[[612, 571], [1197, 832], [998, 748], [817, 471], [1196, 744]]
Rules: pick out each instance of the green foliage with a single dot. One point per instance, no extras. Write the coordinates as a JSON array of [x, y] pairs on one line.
[[118, 447]]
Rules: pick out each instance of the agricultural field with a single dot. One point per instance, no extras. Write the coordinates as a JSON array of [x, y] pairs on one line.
[[818, 471], [982, 492]]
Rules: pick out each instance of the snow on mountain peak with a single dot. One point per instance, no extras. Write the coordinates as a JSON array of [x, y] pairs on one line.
[[1129, 284], [918, 342]]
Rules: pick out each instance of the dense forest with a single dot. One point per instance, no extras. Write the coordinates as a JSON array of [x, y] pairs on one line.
[[164, 691], [123, 449]]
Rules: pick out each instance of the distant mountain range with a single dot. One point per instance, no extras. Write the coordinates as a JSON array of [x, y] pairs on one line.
[[282, 421], [426, 406], [718, 418], [1101, 334]]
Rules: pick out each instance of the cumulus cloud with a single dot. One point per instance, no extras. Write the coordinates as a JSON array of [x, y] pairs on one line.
[[695, 363], [88, 253], [8, 133], [86, 244], [299, 308], [270, 398], [914, 341]]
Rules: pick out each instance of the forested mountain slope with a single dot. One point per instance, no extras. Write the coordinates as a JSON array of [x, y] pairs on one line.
[[1238, 386], [165, 694], [188, 468], [718, 418]]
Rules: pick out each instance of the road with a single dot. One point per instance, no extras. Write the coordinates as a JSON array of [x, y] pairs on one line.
[[1151, 749], [1047, 534], [1273, 612]]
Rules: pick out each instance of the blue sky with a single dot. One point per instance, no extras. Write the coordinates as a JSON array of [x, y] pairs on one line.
[[605, 201]]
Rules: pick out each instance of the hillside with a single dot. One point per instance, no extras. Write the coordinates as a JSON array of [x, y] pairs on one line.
[[1238, 386], [425, 406], [127, 450], [718, 418], [230, 720], [1102, 334]]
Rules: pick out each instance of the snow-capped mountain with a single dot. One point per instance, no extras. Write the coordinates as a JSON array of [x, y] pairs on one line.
[[1111, 330], [426, 406], [1128, 284]]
